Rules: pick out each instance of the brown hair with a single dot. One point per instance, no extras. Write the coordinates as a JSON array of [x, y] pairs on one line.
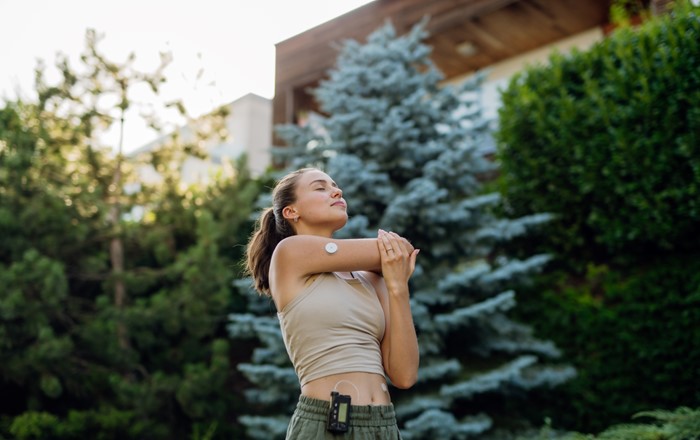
[[270, 229]]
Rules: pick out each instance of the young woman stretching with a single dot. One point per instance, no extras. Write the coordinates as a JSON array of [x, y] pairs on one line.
[[343, 307]]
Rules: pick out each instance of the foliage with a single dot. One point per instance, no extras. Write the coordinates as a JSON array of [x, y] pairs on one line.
[[680, 424], [628, 332], [622, 12], [406, 152], [608, 139], [90, 351]]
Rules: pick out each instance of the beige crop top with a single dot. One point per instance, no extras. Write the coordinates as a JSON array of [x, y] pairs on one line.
[[333, 326]]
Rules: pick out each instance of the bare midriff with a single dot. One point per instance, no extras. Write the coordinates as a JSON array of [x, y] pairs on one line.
[[368, 389]]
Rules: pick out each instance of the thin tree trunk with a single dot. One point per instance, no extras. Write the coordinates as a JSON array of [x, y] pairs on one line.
[[116, 246]]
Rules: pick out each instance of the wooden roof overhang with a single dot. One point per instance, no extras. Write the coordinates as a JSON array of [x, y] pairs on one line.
[[495, 30]]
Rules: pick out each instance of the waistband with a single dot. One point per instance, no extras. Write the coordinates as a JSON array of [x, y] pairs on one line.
[[361, 415]]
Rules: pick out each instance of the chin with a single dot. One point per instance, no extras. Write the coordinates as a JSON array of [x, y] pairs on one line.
[[341, 224]]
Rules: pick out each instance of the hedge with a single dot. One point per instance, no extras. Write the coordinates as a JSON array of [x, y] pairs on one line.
[[609, 140], [631, 334]]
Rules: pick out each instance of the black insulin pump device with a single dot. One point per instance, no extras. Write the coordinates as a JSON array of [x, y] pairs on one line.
[[339, 413]]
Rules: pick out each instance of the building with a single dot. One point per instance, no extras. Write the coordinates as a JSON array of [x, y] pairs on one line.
[[501, 36], [249, 127], [467, 36]]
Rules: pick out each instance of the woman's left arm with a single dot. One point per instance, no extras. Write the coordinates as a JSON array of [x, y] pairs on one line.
[[400, 344]]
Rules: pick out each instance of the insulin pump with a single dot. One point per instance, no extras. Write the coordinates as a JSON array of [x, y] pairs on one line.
[[339, 413]]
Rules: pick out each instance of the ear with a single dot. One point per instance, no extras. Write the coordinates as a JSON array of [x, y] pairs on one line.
[[289, 212]]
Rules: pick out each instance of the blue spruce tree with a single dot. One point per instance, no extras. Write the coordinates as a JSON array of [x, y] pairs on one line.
[[408, 154]]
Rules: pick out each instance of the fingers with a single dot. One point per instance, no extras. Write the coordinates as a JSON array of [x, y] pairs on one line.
[[385, 241], [382, 242], [406, 244], [392, 247], [409, 246], [399, 243], [397, 255], [394, 244], [412, 259]]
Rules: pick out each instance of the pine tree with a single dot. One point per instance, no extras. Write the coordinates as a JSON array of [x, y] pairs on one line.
[[407, 153], [88, 351]]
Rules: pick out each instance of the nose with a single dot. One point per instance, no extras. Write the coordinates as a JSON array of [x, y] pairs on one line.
[[337, 192]]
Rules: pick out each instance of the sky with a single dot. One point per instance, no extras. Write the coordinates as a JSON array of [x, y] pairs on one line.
[[231, 41]]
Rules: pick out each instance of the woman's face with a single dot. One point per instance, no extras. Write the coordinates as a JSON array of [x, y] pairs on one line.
[[319, 202]]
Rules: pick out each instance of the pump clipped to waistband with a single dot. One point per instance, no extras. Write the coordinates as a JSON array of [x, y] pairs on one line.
[[339, 413]]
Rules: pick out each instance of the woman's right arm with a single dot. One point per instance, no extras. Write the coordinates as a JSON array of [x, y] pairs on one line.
[[298, 257], [304, 255]]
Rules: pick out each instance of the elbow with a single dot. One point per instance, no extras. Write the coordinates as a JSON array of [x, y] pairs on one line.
[[403, 372], [404, 381]]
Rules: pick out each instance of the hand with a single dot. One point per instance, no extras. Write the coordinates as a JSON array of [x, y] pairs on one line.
[[398, 259], [407, 243]]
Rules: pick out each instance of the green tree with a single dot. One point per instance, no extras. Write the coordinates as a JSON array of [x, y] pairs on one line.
[[113, 324], [407, 154]]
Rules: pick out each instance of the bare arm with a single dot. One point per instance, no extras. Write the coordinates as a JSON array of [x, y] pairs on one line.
[[307, 254], [297, 257], [400, 344]]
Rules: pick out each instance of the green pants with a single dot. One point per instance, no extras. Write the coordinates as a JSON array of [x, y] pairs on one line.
[[367, 422]]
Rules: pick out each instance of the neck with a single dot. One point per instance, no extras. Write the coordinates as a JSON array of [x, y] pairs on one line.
[[301, 230]]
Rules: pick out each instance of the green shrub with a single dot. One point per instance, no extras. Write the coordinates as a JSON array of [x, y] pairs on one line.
[[99, 424], [609, 140], [632, 334], [33, 425], [681, 424]]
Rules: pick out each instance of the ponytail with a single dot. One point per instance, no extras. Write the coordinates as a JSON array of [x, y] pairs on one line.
[[270, 229], [259, 252]]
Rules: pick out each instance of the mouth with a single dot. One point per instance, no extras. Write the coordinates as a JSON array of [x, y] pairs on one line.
[[339, 203]]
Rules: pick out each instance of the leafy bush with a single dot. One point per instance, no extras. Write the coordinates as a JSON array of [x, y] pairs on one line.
[[609, 139], [632, 335], [105, 423], [681, 424]]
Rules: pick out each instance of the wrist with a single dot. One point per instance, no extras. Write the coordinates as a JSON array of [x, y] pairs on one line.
[[397, 291]]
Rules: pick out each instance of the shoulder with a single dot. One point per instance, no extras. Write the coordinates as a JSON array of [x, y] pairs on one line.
[[299, 250], [300, 243], [299, 239]]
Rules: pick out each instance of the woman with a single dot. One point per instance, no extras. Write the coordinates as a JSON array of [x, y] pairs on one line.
[[343, 307]]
